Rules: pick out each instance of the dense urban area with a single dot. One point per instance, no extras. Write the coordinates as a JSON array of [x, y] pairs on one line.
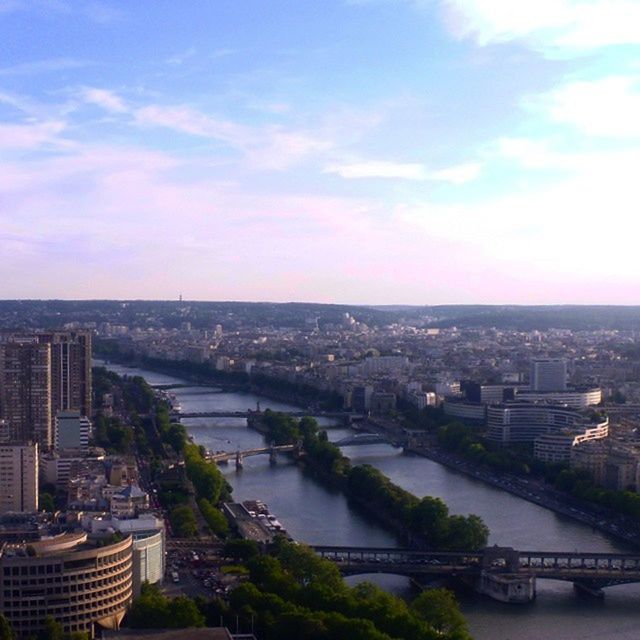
[[116, 522]]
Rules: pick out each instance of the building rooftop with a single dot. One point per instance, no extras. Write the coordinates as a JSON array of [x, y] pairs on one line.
[[207, 633]]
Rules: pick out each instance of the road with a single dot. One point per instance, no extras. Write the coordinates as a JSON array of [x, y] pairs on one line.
[[538, 492]]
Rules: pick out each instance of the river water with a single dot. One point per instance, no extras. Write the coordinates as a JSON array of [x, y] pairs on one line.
[[317, 515]]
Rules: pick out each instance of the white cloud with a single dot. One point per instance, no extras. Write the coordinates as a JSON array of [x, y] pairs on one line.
[[43, 66], [569, 25], [107, 100], [180, 58], [378, 169], [31, 136], [405, 171], [583, 224], [459, 174], [605, 107]]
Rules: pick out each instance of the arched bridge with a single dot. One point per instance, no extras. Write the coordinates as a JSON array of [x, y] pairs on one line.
[[361, 438], [591, 571], [347, 417], [238, 456]]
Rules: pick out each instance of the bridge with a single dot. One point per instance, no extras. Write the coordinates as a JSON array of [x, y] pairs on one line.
[[506, 568], [257, 414], [361, 438], [222, 457], [184, 385]]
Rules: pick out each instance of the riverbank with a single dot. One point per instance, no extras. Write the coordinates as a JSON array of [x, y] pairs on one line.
[[536, 492], [274, 388]]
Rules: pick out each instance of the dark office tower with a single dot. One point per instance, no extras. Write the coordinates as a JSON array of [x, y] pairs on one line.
[[25, 391], [70, 370]]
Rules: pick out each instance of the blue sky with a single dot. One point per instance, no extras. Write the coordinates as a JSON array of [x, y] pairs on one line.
[[357, 151]]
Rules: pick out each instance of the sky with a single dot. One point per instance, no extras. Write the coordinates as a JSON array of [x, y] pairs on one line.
[[343, 151]]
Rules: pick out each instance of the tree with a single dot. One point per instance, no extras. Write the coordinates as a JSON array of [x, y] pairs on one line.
[[183, 522], [241, 549], [46, 502], [183, 613], [467, 534], [52, 630], [6, 632], [430, 517], [439, 608]]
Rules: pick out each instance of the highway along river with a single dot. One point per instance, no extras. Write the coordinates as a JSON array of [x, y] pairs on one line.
[[314, 514]]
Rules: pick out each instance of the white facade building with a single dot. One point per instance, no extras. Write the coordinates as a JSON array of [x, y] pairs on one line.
[[557, 446], [525, 421], [148, 544], [574, 398], [548, 374], [71, 430]]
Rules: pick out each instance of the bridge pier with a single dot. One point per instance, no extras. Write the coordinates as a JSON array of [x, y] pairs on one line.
[[586, 589], [239, 461]]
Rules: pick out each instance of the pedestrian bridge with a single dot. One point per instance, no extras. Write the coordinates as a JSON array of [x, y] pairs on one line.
[[592, 571]]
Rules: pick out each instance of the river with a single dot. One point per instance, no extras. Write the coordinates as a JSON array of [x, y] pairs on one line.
[[314, 514]]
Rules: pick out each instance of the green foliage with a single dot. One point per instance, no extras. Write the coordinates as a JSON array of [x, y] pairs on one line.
[[152, 610], [111, 434], [281, 428], [427, 519], [216, 521], [577, 482], [172, 433], [6, 632], [207, 479], [137, 394], [204, 372], [440, 609], [183, 522], [298, 595], [239, 549], [46, 502], [52, 630], [466, 441], [172, 494]]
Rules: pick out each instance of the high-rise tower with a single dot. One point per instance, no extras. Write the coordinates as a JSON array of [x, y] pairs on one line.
[[25, 390], [70, 370]]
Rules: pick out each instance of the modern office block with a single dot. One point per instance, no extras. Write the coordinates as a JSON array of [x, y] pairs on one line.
[[548, 374], [71, 431], [18, 478]]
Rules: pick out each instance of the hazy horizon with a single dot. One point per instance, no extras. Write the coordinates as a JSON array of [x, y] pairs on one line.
[[364, 152]]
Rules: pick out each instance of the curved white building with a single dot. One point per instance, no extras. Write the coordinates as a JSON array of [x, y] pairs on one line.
[[525, 421], [558, 446], [77, 583], [573, 398]]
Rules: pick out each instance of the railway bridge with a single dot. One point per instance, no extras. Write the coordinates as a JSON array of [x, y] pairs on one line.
[[501, 572]]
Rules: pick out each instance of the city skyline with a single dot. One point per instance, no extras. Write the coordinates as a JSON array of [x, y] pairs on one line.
[[349, 151]]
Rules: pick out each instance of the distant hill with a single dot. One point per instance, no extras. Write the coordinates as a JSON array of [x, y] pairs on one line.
[[171, 314]]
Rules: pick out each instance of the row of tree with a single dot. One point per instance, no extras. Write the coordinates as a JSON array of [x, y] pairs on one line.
[[427, 520], [295, 595], [206, 372], [465, 441]]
